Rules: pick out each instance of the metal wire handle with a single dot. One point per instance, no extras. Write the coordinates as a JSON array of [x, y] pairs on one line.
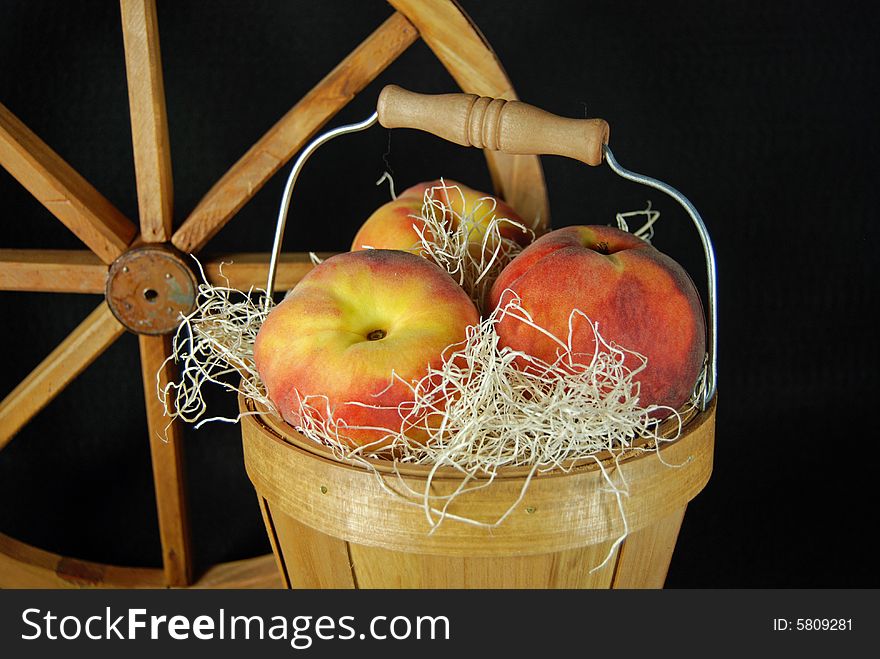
[[711, 272], [288, 189], [708, 250]]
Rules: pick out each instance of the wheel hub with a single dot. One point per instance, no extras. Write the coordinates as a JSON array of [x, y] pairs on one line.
[[150, 288]]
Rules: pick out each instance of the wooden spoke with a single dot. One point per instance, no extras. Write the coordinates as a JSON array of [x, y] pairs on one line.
[[66, 194], [149, 122], [244, 270], [463, 50], [55, 372], [166, 447], [51, 271], [287, 136]]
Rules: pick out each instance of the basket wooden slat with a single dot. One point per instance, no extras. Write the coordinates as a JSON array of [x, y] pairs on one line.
[[334, 523]]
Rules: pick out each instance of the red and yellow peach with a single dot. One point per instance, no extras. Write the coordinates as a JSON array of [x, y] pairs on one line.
[[353, 336], [641, 299], [393, 225]]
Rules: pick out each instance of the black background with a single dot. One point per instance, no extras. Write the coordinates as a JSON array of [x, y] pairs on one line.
[[761, 112]]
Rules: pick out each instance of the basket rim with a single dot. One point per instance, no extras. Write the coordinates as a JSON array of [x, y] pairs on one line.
[[282, 432]]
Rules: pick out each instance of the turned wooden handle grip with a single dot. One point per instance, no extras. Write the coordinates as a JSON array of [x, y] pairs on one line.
[[493, 123]]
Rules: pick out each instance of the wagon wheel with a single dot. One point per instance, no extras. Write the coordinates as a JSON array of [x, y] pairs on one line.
[[146, 279]]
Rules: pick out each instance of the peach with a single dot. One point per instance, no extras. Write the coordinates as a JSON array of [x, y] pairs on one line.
[[391, 226], [642, 300], [346, 327]]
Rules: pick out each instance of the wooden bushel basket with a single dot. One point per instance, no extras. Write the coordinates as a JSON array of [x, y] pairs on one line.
[[332, 525]]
